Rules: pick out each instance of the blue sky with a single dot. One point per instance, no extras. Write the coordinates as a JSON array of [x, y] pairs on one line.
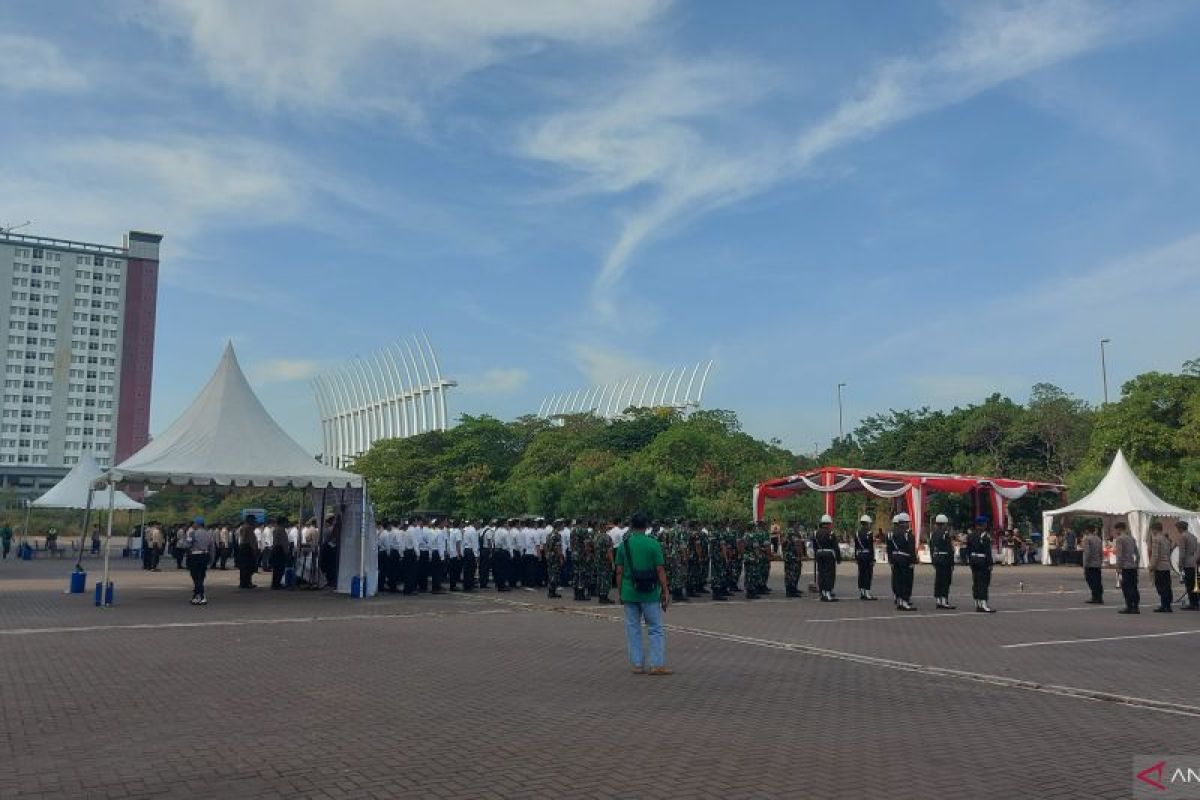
[[927, 201]]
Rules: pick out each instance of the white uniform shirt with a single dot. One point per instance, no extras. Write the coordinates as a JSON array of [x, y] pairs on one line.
[[438, 541], [566, 539], [409, 538], [309, 535], [617, 534], [470, 539], [502, 542], [456, 542], [423, 539], [294, 536]]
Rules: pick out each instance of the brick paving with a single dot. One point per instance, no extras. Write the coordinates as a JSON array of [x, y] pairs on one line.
[[303, 694]]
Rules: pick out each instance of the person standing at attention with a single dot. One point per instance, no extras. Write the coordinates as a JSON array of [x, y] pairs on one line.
[[642, 582], [1092, 560], [1126, 550], [201, 547]]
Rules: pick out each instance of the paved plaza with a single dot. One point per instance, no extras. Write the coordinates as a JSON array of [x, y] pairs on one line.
[[307, 694]]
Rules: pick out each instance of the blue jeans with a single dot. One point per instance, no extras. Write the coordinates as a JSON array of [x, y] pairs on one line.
[[652, 613]]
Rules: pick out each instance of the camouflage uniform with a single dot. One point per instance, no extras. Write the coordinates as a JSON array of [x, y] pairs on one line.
[[603, 551], [750, 555], [719, 565], [554, 561], [581, 560], [733, 569], [676, 557], [791, 562]]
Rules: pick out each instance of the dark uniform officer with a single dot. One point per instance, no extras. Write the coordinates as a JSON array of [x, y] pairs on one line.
[[979, 556], [864, 556], [1126, 551], [1160, 564], [1093, 561], [941, 553], [827, 555], [1189, 555], [902, 556]]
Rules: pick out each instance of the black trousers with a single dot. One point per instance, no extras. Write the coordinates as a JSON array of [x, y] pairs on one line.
[[1094, 582], [390, 578], [197, 564], [1162, 583], [179, 554], [423, 571], [155, 555], [246, 575], [500, 569], [277, 570], [515, 565], [468, 570], [408, 564], [826, 573], [866, 571], [943, 574], [981, 581], [1129, 588], [485, 566], [329, 564], [454, 573], [222, 557], [902, 581], [437, 570], [531, 570], [1189, 580]]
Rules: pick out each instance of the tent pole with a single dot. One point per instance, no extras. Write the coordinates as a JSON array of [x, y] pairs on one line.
[[87, 517], [315, 557], [112, 499], [362, 544], [25, 532]]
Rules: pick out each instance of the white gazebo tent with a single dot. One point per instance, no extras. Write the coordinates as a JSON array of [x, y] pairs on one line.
[[227, 438], [75, 490], [1120, 494]]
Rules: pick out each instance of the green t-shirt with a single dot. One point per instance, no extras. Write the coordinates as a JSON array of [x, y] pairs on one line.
[[646, 554]]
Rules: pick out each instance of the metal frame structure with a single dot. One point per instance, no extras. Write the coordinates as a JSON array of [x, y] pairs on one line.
[[395, 392], [611, 400]]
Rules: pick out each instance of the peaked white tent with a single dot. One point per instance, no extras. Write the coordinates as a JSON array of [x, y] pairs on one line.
[[226, 438], [1120, 494], [74, 490]]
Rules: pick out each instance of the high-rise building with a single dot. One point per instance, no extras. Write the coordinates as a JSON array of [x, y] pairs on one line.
[[79, 320]]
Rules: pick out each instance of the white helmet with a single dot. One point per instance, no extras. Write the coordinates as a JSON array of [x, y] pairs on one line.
[[866, 518], [901, 517], [826, 519], [942, 519]]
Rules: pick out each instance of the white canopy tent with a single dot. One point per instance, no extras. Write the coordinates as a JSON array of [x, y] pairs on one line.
[[75, 491], [1120, 494], [76, 487], [227, 438]]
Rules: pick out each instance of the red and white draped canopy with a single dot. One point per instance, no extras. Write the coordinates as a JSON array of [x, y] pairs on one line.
[[914, 487]]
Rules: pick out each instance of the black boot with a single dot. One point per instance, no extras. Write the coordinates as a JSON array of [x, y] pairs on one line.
[[553, 592], [792, 593], [579, 594], [604, 601]]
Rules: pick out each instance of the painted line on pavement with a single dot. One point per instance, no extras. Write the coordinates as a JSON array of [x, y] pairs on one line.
[[1000, 681], [1101, 639], [234, 623]]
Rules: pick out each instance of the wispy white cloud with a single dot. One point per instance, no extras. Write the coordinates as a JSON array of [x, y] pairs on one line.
[[657, 133], [377, 56], [499, 381], [601, 364], [282, 370], [28, 64]]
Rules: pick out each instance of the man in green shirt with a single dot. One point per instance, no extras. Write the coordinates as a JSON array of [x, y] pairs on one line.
[[645, 595]]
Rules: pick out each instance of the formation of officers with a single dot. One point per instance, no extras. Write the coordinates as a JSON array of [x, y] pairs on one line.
[[717, 561]]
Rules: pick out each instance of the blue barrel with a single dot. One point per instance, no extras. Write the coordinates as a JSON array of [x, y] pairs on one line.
[[356, 587], [108, 595], [78, 582], [289, 577], [26, 552]]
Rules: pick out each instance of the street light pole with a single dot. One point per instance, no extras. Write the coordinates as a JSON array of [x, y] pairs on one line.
[[841, 431], [1104, 368]]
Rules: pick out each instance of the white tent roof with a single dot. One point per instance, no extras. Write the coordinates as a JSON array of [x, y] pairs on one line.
[[72, 490], [226, 437], [1120, 493]]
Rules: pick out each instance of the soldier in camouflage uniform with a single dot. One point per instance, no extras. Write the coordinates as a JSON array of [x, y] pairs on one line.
[[748, 554], [792, 545], [580, 560], [553, 550], [602, 547], [675, 552], [763, 540], [733, 570], [718, 557]]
